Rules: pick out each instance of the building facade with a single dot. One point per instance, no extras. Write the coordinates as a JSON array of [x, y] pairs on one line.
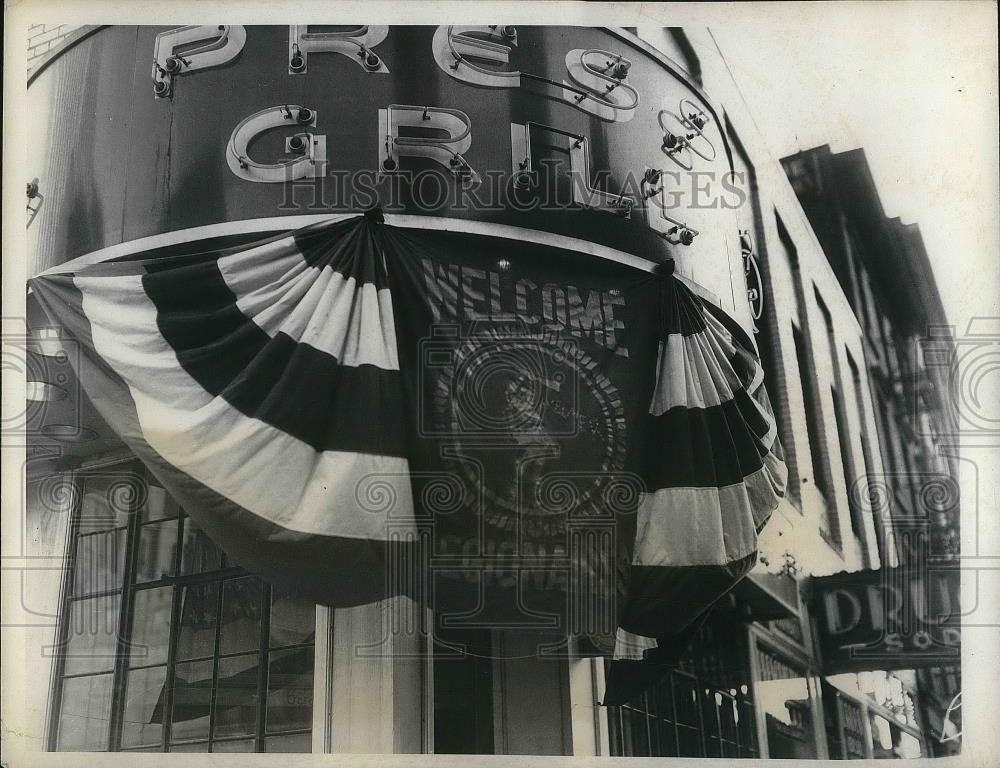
[[885, 272], [156, 642]]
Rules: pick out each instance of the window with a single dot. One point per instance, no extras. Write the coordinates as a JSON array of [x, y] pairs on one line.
[[813, 416], [892, 455], [843, 434], [866, 449], [892, 357], [844, 717], [847, 462], [872, 324], [784, 695], [770, 353], [779, 400], [167, 646], [703, 708]]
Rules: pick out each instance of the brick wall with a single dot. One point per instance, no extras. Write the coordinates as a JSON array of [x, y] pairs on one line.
[[42, 38]]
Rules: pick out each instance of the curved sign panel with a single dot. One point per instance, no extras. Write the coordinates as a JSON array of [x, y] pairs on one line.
[[577, 132]]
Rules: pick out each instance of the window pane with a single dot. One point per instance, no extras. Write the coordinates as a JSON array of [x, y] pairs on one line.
[[100, 562], [293, 620], [667, 738], [159, 503], [236, 695], [688, 721], [198, 552], [105, 501], [241, 608], [85, 713], [144, 700], [192, 701], [294, 742], [151, 626], [201, 746], [783, 695], [157, 551], [93, 635], [290, 689], [199, 611], [635, 723], [241, 745]]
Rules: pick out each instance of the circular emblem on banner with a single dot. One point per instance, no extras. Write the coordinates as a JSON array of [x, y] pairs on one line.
[[534, 425]]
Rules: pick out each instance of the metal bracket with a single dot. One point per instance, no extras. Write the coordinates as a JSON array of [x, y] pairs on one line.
[[34, 196]]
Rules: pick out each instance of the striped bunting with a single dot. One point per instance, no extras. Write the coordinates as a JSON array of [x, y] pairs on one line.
[[263, 386], [714, 472]]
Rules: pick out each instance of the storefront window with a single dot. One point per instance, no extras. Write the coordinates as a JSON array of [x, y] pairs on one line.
[[844, 717], [704, 708], [783, 695], [167, 646]]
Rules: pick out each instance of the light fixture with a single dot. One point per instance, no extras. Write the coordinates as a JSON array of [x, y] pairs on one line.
[[68, 433], [43, 392]]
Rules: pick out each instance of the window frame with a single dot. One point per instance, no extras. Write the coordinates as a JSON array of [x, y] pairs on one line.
[[870, 708], [708, 732], [129, 590], [759, 639]]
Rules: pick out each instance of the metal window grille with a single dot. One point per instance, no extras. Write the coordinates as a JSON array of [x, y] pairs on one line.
[[682, 718], [703, 708]]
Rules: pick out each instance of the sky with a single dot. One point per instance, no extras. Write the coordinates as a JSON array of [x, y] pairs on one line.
[[913, 84]]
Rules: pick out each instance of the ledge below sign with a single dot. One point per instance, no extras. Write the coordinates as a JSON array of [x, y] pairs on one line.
[[769, 596]]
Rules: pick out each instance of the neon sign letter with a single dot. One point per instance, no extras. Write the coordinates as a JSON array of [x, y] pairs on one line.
[[356, 44], [445, 151], [175, 52], [454, 47], [599, 85], [307, 151]]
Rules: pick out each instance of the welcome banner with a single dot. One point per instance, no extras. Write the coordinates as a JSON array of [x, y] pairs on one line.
[[513, 434]]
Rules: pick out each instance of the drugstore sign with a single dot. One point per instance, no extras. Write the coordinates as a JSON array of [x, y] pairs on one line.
[[893, 618]]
